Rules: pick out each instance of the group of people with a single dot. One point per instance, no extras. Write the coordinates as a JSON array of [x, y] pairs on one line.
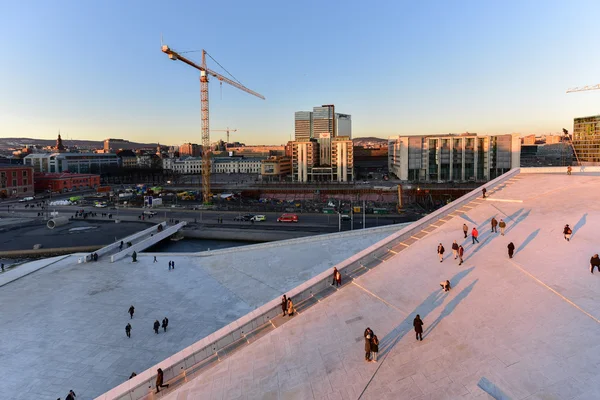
[[371, 345], [94, 256], [156, 326], [70, 396], [287, 306]]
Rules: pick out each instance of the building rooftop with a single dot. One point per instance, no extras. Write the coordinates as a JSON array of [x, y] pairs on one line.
[[526, 327]]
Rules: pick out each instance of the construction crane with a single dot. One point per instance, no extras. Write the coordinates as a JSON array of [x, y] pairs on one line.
[[204, 74], [584, 88], [225, 130]]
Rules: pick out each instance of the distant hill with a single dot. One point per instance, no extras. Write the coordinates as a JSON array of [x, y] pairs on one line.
[[369, 141], [18, 143]]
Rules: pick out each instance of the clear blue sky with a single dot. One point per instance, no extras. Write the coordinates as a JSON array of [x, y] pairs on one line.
[[94, 69]]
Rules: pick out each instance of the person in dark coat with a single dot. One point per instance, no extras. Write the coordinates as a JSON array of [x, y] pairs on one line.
[[567, 232], [159, 379], [128, 330], [169, 265], [165, 323], [484, 191], [71, 395], [156, 326], [374, 347], [455, 249], [594, 262], [335, 280], [461, 252], [131, 311], [173, 264], [502, 226], [440, 252], [418, 325], [465, 230], [494, 223], [284, 305], [368, 334], [132, 375], [511, 250]]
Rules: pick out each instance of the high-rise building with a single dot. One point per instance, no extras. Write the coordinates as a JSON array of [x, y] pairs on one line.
[[586, 139], [190, 149], [342, 159], [303, 126], [305, 156], [444, 158]]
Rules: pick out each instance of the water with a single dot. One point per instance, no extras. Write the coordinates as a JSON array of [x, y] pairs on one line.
[[194, 245]]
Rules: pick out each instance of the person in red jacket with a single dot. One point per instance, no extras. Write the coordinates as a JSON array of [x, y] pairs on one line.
[[474, 235]]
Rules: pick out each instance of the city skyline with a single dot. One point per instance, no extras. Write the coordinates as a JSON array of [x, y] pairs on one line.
[[96, 71]]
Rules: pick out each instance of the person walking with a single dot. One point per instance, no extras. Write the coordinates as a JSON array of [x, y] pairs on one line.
[[418, 325], [494, 223], [569, 169], [511, 249], [455, 249], [173, 264], [594, 262], [284, 304], [131, 311], [445, 286], [128, 330], [290, 307], [502, 226], [474, 235], [169, 265], [567, 232], [165, 323], [71, 395], [440, 251], [368, 336], [159, 380], [155, 260], [338, 278], [374, 347], [465, 230], [133, 374], [461, 252], [156, 326], [484, 191], [335, 273]]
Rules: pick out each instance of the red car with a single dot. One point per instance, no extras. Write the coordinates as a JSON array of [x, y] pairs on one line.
[[288, 218]]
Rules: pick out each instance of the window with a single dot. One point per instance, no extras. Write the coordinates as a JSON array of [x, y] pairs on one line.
[[14, 182], [24, 189], [14, 174], [24, 174], [25, 181]]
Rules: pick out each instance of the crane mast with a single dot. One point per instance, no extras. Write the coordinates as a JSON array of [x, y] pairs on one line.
[[204, 110]]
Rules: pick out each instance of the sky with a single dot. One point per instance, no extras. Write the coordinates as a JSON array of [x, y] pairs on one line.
[[94, 69]]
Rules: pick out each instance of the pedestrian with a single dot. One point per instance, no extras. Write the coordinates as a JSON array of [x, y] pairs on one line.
[[455, 249], [418, 325], [338, 278], [567, 233], [132, 375], [445, 285], [511, 249], [334, 276], [121, 246], [494, 225], [159, 379], [594, 262], [483, 191], [374, 347], [284, 304], [173, 264], [440, 251], [71, 395], [465, 230], [156, 326], [169, 265], [165, 323], [461, 252], [290, 307], [569, 169], [502, 226], [474, 235], [155, 260], [2, 267], [131, 311], [368, 345], [128, 330]]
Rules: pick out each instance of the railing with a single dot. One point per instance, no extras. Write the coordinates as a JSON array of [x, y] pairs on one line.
[[200, 352], [114, 246], [149, 241]]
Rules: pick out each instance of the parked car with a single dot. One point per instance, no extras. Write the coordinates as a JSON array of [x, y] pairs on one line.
[[257, 218], [27, 199], [346, 217], [288, 218]]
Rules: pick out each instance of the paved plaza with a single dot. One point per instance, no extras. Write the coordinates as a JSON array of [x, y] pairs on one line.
[[526, 328], [63, 327]]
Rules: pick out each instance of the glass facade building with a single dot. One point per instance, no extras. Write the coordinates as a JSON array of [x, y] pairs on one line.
[[586, 139]]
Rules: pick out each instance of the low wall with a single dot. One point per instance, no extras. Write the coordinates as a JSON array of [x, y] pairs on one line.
[[576, 170], [50, 252], [150, 241], [114, 246], [141, 385], [254, 235]]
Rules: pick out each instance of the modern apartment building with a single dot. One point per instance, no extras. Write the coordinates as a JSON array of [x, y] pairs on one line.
[[586, 139], [275, 168], [81, 163], [320, 127], [446, 158]]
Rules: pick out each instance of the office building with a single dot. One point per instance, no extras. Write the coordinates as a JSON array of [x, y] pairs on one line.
[[305, 156], [190, 149], [275, 168], [459, 158], [342, 159], [16, 181], [586, 139], [72, 162], [303, 126]]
